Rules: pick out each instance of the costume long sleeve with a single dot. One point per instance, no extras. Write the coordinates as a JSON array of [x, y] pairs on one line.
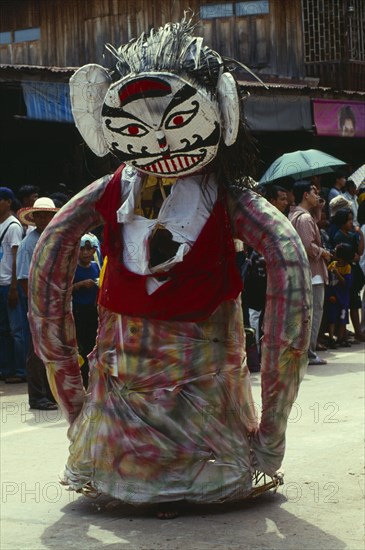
[[286, 323], [50, 295]]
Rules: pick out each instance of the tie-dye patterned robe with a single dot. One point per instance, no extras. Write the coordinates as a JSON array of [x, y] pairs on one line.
[[169, 413]]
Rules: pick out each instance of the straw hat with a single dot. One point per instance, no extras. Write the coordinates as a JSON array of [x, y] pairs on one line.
[[43, 204]]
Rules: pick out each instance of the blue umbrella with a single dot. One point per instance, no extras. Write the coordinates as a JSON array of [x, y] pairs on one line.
[[301, 164]]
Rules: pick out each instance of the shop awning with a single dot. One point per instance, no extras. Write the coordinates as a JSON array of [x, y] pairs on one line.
[[278, 113]]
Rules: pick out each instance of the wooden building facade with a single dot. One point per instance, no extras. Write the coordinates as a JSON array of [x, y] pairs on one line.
[[303, 49], [264, 34], [323, 39]]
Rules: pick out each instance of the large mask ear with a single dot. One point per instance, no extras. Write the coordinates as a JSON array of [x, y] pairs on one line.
[[88, 87], [229, 106]]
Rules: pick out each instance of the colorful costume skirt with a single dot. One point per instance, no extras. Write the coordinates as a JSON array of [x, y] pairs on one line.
[[169, 413]]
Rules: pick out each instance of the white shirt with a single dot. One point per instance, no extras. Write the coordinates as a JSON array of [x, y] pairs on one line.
[[184, 213], [25, 254], [362, 259], [12, 238], [353, 200]]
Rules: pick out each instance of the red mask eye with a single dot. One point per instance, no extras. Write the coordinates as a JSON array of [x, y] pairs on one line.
[[181, 118], [178, 120], [133, 130]]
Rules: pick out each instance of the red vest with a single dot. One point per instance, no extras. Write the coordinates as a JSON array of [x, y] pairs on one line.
[[206, 277]]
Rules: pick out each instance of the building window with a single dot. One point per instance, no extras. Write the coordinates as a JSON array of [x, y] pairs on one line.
[[333, 30], [212, 11], [5, 38], [356, 27], [259, 7], [322, 26], [229, 9], [26, 35], [20, 35]]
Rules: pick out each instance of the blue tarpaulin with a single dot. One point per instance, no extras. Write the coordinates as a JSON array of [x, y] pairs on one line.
[[47, 101]]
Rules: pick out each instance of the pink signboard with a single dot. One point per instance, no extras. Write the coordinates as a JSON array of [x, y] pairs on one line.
[[339, 118]]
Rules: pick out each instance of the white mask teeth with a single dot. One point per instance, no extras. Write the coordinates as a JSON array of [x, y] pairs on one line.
[[172, 165]]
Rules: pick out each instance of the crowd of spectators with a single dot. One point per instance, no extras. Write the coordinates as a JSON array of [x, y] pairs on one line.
[[23, 218], [331, 225]]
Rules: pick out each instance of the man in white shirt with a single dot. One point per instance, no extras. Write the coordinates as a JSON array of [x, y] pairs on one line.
[[13, 342], [40, 214], [351, 195], [362, 265]]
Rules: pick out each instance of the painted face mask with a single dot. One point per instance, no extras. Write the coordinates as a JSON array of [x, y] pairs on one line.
[[161, 123]]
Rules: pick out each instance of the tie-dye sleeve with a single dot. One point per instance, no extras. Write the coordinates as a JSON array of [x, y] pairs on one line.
[[287, 320], [50, 295]]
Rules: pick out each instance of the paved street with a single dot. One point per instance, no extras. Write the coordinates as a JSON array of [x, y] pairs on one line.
[[320, 506]]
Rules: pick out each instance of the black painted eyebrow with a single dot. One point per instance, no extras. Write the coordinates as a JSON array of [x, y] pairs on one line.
[[117, 112], [185, 93]]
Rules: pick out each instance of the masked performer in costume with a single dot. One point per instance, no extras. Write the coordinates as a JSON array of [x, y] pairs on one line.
[[169, 414]]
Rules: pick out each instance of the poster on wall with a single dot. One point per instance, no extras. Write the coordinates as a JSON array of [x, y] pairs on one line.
[[339, 118]]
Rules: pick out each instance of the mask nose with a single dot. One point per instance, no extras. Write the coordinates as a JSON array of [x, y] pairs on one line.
[[164, 148]]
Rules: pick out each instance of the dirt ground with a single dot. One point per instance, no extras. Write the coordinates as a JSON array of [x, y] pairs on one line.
[[320, 506]]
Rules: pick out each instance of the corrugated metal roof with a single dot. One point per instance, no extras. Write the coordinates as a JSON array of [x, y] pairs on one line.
[[275, 84], [19, 73], [297, 87], [35, 68]]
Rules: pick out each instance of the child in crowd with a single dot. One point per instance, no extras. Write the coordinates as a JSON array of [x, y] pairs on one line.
[[338, 295], [353, 236], [85, 291]]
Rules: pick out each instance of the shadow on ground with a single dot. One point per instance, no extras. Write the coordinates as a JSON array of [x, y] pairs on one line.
[[257, 524]]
